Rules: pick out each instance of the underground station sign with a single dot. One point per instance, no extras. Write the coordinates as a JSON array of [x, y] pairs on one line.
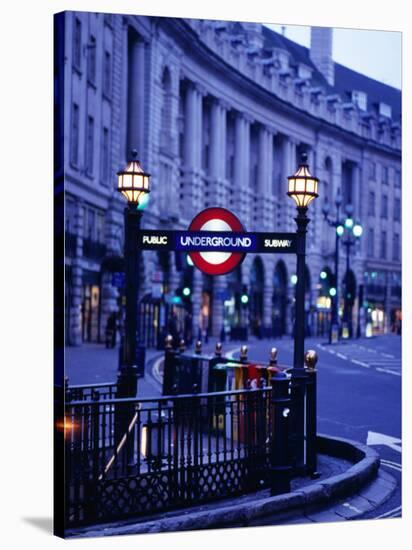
[[216, 241]]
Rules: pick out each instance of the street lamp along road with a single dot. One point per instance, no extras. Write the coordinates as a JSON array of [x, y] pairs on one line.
[[342, 227], [303, 189], [339, 229], [134, 185], [352, 233]]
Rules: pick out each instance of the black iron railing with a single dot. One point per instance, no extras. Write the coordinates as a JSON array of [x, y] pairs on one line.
[[130, 457], [94, 392]]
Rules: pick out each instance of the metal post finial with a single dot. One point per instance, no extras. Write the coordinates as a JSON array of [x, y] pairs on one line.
[[311, 358], [198, 347], [218, 349], [273, 358], [182, 345], [134, 154], [169, 342], [243, 353], [304, 158]]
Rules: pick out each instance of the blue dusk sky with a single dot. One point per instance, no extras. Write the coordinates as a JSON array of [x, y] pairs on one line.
[[376, 54]]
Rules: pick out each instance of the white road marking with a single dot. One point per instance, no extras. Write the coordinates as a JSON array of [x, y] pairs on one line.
[[390, 464], [389, 371], [375, 438], [360, 363], [352, 507], [341, 355], [155, 370], [231, 352], [389, 513], [388, 355]]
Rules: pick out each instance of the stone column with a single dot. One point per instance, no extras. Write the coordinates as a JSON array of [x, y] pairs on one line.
[[109, 293], [216, 141], [290, 167], [387, 321], [357, 192], [76, 284], [174, 275], [192, 151], [218, 151], [265, 212], [136, 97], [219, 284], [267, 301], [196, 301]]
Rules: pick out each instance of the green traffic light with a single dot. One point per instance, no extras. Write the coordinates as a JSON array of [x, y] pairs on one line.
[[244, 298], [186, 291], [339, 230]]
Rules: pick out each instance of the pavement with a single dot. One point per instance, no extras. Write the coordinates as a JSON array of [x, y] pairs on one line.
[[359, 399]]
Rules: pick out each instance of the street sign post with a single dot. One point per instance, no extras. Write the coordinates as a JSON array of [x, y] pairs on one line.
[[216, 241]]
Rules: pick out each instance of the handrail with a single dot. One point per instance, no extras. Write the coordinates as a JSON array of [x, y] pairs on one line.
[[119, 447], [165, 398], [84, 386]]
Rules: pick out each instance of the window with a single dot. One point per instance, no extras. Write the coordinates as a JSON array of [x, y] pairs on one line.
[[90, 224], [385, 178], [395, 250], [385, 110], [74, 137], [91, 60], [105, 168], [384, 207], [371, 243], [77, 43], [397, 209], [372, 170], [89, 145], [94, 224], [100, 227], [107, 74], [371, 207], [398, 178], [383, 245], [70, 215], [360, 99]]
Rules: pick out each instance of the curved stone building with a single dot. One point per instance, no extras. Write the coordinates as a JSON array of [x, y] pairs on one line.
[[220, 113]]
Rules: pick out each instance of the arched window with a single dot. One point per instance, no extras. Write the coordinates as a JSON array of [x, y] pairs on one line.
[[166, 116]]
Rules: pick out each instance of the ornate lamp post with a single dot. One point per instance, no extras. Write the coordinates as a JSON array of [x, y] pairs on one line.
[[352, 232], [134, 185], [303, 189], [334, 325]]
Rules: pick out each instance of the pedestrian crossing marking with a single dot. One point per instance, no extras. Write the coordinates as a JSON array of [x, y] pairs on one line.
[[367, 358]]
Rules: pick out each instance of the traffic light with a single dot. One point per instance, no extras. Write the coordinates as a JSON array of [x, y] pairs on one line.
[[244, 298], [186, 291]]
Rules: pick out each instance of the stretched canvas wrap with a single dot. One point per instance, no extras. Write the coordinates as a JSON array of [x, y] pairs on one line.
[[227, 275]]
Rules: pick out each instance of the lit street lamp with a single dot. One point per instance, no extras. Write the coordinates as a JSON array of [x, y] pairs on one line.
[[134, 184], [334, 325], [303, 189], [352, 233]]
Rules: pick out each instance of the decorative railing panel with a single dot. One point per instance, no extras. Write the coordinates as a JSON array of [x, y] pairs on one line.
[[131, 458]]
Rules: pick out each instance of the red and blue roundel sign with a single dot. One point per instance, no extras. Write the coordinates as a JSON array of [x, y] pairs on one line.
[[216, 219]]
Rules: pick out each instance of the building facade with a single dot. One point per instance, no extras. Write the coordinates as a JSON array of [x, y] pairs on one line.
[[220, 113]]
